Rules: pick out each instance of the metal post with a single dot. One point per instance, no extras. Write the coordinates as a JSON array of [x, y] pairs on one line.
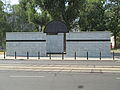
[[50, 56], [15, 54], [4, 55], [87, 55], [100, 55], [75, 55], [62, 56], [27, 55], [113, 56], [38, 55]]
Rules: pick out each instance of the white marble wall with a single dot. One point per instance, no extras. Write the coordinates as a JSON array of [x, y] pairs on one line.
[[55, 43], [22, 48], [92, 47], [25, 36]]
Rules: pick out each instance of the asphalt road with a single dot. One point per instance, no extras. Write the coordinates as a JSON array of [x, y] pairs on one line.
[[30, 75], [24, 80]]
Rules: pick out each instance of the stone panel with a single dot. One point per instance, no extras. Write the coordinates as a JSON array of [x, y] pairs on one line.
[[21, 48], [88, 35], [25, 36], [92, 47], [55, 43]]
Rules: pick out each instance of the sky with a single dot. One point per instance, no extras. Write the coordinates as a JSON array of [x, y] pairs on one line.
[[12, 2]]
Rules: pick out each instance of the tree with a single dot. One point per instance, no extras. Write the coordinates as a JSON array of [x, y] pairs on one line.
[[64, 10], [18, 19], [28, 13], [114, 18], [41, 19], [93, 17], [3, 24], [101, 15]]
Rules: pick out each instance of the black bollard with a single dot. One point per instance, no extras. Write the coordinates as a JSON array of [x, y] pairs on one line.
[[75, 55], [113, 56], [62, 56], [15, 54], [87, 55], [4, 55], [27, 55], [100, 55], [50, 56], [38, 55]]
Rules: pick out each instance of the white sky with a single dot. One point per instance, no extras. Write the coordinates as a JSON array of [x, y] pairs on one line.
[[12, 2]]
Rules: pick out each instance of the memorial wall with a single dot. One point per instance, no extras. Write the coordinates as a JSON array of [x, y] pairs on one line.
[[92, 42], [79, 42], [23, 42]]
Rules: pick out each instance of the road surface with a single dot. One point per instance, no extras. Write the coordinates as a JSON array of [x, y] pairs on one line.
[[59, 75], [29, 80]]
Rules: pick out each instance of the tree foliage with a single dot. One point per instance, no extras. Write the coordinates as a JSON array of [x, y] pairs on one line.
[[113, 10], [3, 23], [64, 10]]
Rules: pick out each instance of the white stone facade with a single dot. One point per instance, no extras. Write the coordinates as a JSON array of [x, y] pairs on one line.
[[79, 42], [23, 42], [55, 43], [91, 42]]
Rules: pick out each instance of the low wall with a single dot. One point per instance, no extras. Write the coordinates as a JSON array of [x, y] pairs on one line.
[[91, 42], [79, 42], [23, 42]]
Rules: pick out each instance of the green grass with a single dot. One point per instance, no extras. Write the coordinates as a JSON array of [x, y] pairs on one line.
[[116, 50], [1, 52]]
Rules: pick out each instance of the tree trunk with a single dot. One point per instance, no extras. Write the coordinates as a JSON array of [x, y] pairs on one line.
[[41, 28]]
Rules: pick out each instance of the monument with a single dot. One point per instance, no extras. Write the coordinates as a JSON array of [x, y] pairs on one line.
[[56, 39]]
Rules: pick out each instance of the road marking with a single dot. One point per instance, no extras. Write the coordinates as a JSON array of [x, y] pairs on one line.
[[26, 76]]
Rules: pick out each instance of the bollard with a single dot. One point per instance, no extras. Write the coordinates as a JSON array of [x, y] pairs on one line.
[[38, 55], [101, 71], [100, 55], [50, 56], [27, 55], [75, 55], [87, 55], [113, 56], [4, 55], [62, 56], [15, 54]]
